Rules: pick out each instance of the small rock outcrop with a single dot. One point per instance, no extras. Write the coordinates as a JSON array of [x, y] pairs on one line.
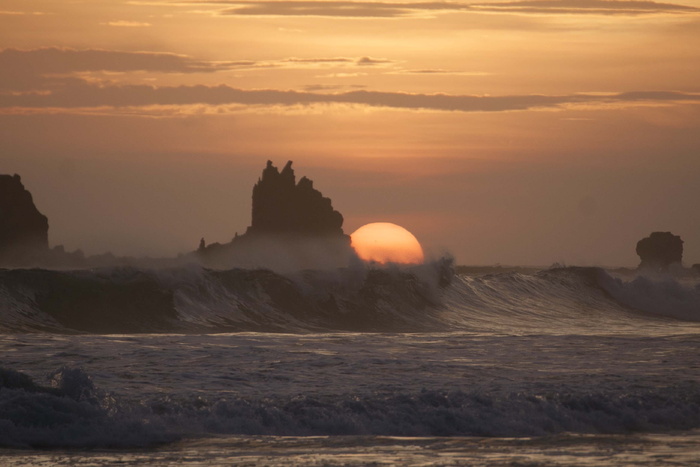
[[659, 251], [24, 231]]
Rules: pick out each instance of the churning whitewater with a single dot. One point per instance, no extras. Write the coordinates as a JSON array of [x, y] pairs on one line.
[[421, 298], [128, 358]]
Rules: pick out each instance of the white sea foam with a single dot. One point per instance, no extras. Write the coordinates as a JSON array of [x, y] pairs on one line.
[[419, 299], [76, 414], [663, 296]]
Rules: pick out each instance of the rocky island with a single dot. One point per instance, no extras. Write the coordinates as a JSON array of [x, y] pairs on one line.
[[659, 251], [293, 226], [24, 231]]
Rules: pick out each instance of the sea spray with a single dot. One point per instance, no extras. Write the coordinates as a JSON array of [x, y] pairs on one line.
[[76, 414], [392, 298]]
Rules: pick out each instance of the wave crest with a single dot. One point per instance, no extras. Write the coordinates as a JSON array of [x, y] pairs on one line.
[[193, 299], [423, 298], [35, 416]]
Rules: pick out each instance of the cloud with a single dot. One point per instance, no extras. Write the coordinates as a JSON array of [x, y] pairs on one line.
[[318, 60], [58, 60], [657, 96], [341, 75], [369, 61], [323, 62], [81, 94], [331, 87], [30, 69], [21, 13], [51, 78], [599, 7], [359, 9], [439, 71], [321, 8], [128, 24], [41, 69]]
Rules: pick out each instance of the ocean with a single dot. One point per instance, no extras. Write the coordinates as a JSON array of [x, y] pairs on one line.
[[359, 366]]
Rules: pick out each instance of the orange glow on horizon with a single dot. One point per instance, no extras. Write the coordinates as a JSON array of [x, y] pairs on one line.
[[384, 242]]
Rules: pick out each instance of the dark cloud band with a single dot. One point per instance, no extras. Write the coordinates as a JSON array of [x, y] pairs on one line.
[[76, 93], [57, 60], [359, 9]]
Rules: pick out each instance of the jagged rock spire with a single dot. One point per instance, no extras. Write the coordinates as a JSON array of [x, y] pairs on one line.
[[281, 206]]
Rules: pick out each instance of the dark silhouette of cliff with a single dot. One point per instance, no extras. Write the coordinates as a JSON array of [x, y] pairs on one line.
[[660, 250], [24, 234], [282, 206], [293, 226], [24, 231]]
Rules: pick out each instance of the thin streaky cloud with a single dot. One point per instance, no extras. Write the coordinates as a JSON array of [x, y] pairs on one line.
[[343, 61], [341, 75], [40, 69], [37, 69], [22, 13], [331, 87], [80, 94], [350, 9], [60, 60], [369, 61], [318, 60], [323, 8], [128, 24], [439, 71], [598, 7]]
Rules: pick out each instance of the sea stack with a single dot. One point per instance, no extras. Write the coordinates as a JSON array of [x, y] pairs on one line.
[[293, 226], [24, 231], [282, 206], [659, 251]]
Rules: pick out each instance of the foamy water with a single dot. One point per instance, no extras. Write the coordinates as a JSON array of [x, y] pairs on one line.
[[566, 367]]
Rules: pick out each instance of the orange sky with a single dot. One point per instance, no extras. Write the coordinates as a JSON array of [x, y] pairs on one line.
[[512, 132]]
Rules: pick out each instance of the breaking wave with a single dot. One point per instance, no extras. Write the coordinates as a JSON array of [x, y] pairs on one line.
[[423, 298], [71, 412], [572, 298]]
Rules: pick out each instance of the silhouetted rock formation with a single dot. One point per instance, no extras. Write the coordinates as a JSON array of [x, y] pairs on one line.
[[24, 231], [281, 206], [293, 226], [660, 250]]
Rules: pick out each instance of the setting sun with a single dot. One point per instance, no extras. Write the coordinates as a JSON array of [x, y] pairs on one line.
[[384, 242]]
